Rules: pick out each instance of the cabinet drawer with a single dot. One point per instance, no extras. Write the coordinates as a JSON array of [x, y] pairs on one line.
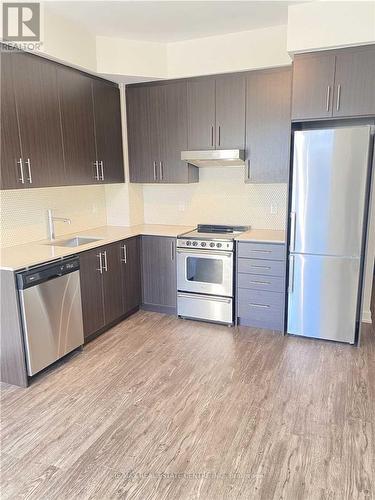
[[267, 251], [265, 267], [260, 282], [261, 309]]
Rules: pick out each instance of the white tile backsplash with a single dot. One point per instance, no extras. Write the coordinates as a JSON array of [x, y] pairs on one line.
[[221, 197], [23, 211]]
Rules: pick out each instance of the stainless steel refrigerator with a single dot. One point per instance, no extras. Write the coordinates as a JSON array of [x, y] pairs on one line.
[[328, 205]]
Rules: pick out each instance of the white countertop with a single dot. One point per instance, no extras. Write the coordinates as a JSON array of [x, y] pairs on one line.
[[263, 235], [37, 252]]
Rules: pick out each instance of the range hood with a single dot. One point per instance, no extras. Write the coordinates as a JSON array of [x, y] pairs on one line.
[[215, 158]]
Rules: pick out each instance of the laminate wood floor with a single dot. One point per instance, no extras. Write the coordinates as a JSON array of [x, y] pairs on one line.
[[161, 408]]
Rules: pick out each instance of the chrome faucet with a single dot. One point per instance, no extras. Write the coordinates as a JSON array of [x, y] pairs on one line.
[[51, 226]]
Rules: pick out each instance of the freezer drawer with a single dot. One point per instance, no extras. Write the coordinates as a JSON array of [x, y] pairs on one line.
[[323, 296], [205, 307]]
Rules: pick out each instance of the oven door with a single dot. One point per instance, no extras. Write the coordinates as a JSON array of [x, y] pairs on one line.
[[205, 271]]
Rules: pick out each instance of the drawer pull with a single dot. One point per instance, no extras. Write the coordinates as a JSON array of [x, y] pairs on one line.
[[262, 251], [261, 282], [260, 267], [264, 306]]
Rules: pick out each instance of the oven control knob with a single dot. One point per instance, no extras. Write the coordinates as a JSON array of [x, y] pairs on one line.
[[188, 243], [219, 245], [203, 244], [212, 244], [195, 243]]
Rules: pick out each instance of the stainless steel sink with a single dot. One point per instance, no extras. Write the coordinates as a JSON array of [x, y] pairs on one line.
[[76, 241]]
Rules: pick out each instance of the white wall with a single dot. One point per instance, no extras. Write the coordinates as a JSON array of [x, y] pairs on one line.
[[68, 42], [130, 57], [227, 53], [124, 202], [327, 24]]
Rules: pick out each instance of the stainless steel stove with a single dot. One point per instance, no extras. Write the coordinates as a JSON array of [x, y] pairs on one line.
[[205, 271]]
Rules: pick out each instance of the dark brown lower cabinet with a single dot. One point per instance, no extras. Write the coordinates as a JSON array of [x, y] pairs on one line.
[[159, 288], [110, 284], [131, 273], [91, 291]]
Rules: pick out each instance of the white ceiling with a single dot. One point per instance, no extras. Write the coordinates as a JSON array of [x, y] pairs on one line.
[[171, 21]]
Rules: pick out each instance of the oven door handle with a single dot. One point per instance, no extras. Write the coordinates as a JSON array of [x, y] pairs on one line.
[[204, 253], [204, 297]]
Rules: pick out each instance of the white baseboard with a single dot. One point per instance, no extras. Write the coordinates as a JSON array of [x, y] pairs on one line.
[[366, 317]]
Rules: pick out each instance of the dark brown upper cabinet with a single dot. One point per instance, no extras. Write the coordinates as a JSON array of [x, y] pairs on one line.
[[141, 167], [174, 136], [201, 113], [58, 121], [37, 104], [230, 111], [78, 128], [12, 173], [216, 112], [107, 112], [334, 84], [313, 79], [157, 133], [355, 82], [268, 103]]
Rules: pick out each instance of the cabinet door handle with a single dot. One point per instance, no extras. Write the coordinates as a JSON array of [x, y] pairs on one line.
[[96, 174], [291, 274], [328, 98], [22, 177], [124, 258], [105, 261], [212, 135], [338, 97], [219, 135], [172, 251], [261, 282], [155, 174], [101, 170], [99, 255], [260, 267], [264, 306], [161, 170], [28, 163]]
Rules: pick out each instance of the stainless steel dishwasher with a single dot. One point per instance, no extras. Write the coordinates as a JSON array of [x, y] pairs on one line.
[[51, 311]]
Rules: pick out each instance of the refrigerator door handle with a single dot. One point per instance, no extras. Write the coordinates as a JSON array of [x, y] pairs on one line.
[[291, 274], [292, 231]]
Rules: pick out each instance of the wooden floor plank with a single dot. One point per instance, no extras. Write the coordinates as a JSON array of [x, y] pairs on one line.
[[162, 408]]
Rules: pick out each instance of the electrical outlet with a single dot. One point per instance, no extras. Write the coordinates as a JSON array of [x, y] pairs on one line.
[[273, 209]]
